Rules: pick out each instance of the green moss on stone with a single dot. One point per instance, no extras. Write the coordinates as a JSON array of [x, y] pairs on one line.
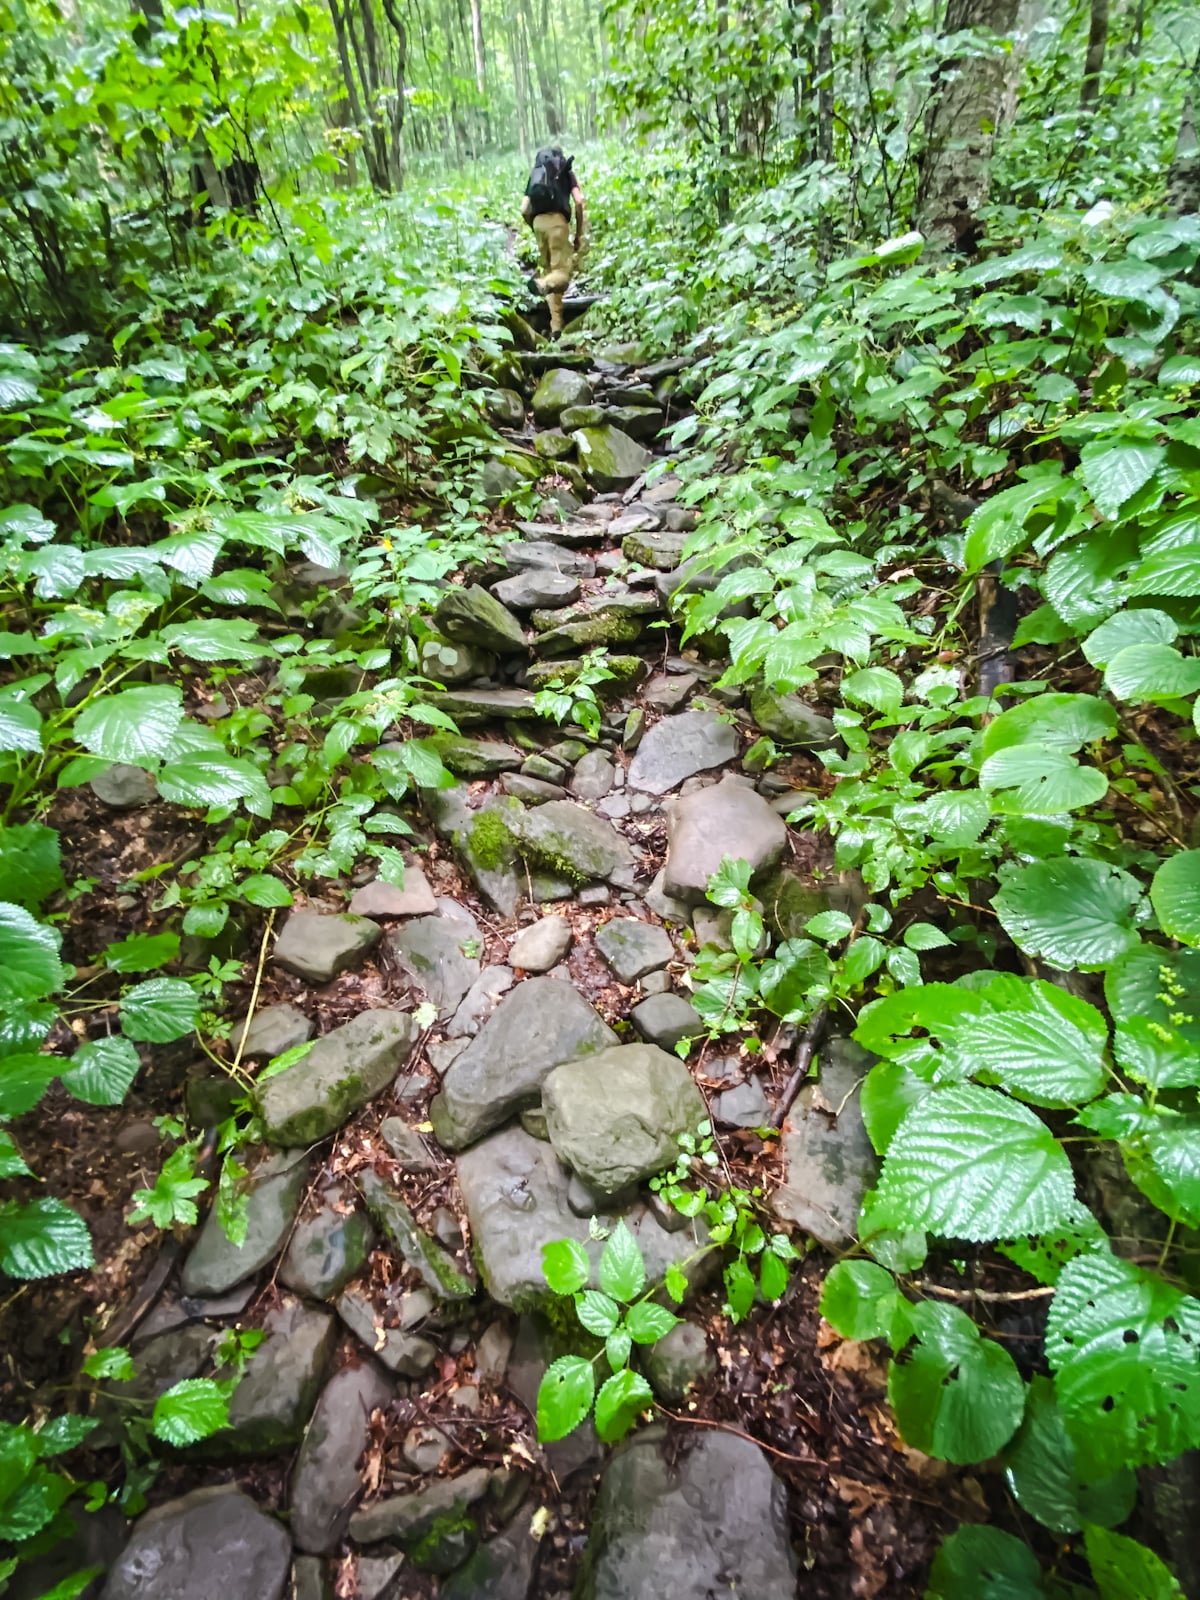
[[489, 841]]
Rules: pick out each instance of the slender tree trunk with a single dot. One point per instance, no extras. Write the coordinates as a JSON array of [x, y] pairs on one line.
[[375, 87], [824, 140], [340, 32], [396, 151], [1093, 64], [969, 97], [1183, 186], [541, 67]]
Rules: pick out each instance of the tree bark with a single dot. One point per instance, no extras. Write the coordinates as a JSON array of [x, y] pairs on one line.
[[396, 152], [477, 41], [1183, 184], [378, 179], [1093, 64], [969, 98]]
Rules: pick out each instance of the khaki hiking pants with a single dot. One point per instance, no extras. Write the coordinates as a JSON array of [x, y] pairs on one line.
[[557, 262]]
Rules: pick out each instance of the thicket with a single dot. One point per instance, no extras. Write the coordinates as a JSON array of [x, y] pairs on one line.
[[218, 364]]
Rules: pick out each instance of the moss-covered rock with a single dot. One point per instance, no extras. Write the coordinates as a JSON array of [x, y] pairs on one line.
[[506, 407], [474, 617], [554, 445], [339, 1075], [625, 671], [436, 1267], [610, 458], [475, 758], [570, 841], [451, 661], [582, 417], [586, 633], [558, 390]]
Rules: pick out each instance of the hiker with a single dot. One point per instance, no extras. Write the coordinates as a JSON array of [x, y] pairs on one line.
[[546, 207]]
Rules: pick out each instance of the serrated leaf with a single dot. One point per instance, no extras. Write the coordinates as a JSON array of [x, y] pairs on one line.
[[24, 1078], [1035, 1040], [214, 780], [206, 919], [617, 1348], [622, 1270], [223, 639], [1028, 782], [102, 1072], [262, 889], [1122, 1345], [676, 1283], [1169, 572], [957, 1396], [925, 936], [970, 1163], [889, 1092], [135, 726], [1151, 672], [564, 1397], [1175, 896], [1156, 1055], [597, 1312], [620, 1402], [1040, 1467], [64, 1432], [829, 926], [565, 1266], [1128, 627], [143, 952], [1063, 722], [772, 1276], [1115, 469], [29, 965], [648, 1322], [191, 1410], [740, 1289], [1072, 912], [874, 686], [114, 1362], [12, 1163], [981, 1563], [30, 866], [42, 1238], [730, 883], [997, 528], [860, 1300], [159, 1010], [20, 725], [193, 555], [1123, 1569]]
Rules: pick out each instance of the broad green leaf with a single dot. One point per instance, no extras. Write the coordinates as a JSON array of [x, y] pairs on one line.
[[1033, 1039], [1044, 1255], [114, 1362], [981, 1563], [565, 1265], [42, 1238], [224, 639], [740, 1289], [1052, 721], [619, 1404], [1160, 1147], [214, 780], [647, 1322], [1157, 985], [1025, 781], [997, 528], [101, 1073], [1123, 1569], [1126, 628], [64, 1432], [861, 1301], [29, 964], [957, 1396], [730, 883], [262, 889], [889, 1092], [874, 686], [772, 1276], [20, 725], [955, 817], [24, 1079], [788, 982], [193, 554], [1151, 672], [1122, 1345], [135, 726], [969, 1163], [18, 1456], [617, 1347], [206, 919], [1175, 896], [12, 1163], [829, 926], [1156, 1054], [1115, 469], [596, 1312], [159, 1010], [24, 1027], [1072, 912], [1170, 572], [564, 1397], [925, 936], [1039, 1465], [143, 952], [30, 868], [622, 1270], [191, 1410]]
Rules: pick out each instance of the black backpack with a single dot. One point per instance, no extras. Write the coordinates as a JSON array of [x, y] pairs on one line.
[[550, 182]]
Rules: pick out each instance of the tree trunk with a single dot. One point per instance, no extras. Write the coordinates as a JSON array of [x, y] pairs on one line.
[[824, 141], [352, 95], [1183, 184], [542, 68], [396, 150], [477, 40], [1093, 64], [969, 97]]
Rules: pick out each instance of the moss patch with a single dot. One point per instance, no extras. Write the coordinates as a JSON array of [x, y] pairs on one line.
[[489, 841]]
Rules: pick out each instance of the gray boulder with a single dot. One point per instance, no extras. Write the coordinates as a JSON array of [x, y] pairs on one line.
[[582, 417], [678, 747], [554, 445], [540, 586], [506, 407], [214, 1265], [477, 618], [639, 422], [787, 718], [535, 555], [542, 945], [660, 548], [485, 705], [337, 1077], [617, 1117], [480, 1000], [436, 1267], [610, 458], [632, 947], [570, 841], [680, 1359], [594, 776], [124, 788], [727, 819], [558, 389], [413, 898], [501, 1569], [829, 1161], [433, 951], [276, 1394], [516, 1193], [328, 1249], [475, 758], [452, 661], [397, 1348], [327, 1480], [317, 948], [213, 1541], [717, 1523], [406, 1517], [666, 1020], [541, 1024], [272, 1031]]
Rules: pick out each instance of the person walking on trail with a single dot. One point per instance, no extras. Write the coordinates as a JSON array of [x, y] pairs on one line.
[[546, 207]]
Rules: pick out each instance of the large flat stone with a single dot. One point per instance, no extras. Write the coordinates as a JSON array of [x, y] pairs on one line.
[[475, 758], [475, 617], [271, 1031], [276, 1394], [434, 953], [327, 1480], [540, 1024], [398, 1348], [632, 947], [829, 1161], [678, 747], [485, 705], [540, 586], [571, 841], [610, 458], [406, 1517], [328, 1249], [726, 819], [526, 555], [412, 898], [212, 1542], [616, 1118], [336, 1078], [790, 720], [215, 1265], [317, 948], [715, 1524], [557, 390], [515, 1189], [435, 1266]]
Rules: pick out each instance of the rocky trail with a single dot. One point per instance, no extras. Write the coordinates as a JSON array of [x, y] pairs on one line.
[[496, 1068]]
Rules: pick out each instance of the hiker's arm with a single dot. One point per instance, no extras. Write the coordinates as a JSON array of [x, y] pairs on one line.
[[527, 209], [577, 197]]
